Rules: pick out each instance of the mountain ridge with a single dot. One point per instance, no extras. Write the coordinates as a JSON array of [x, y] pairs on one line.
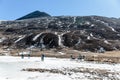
[[35, 14]]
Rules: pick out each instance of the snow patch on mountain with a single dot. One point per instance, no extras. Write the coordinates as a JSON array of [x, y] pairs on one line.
[[105, 41], [36, 37], [20, 38], [2, 39], [112, 29]]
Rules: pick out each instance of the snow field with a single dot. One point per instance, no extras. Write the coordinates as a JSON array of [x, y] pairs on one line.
[[10, 68]]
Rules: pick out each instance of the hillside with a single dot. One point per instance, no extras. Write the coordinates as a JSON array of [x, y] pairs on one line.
[[84, 33]]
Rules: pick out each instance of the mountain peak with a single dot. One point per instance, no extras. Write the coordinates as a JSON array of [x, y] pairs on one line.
[[35, 14]]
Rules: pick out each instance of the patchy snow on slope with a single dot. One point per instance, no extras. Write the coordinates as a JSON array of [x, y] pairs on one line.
[[112, 29], [36, 36], [11, 69], [92, 25], [91, 34], [88, 37], [20, 39], [118, 34], [74, 20], [0, 21], [79, 41], [87, 23], [101, 22], [60, 40], [2, 39], [105, 41]]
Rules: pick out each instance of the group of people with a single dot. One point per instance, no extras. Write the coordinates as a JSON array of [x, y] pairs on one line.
[[22, 56], [80, 57], [42, 56]]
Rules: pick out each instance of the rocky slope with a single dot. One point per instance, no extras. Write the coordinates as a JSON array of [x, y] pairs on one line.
[[87, 33]]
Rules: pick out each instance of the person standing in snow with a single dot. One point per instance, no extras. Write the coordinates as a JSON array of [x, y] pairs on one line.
[[79, 57], [71, 56], [22, 56], [42, 57], [28, 55]]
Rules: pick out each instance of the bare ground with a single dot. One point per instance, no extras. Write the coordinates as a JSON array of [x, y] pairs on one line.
[[97, 74], [110, 56]]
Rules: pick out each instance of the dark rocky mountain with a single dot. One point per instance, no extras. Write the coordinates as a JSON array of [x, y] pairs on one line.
[[86, 33], [35, 14]]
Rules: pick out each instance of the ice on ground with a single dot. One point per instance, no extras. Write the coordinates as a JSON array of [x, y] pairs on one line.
[[10, 68]]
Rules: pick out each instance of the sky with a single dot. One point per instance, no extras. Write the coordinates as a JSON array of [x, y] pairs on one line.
[[13, 9]]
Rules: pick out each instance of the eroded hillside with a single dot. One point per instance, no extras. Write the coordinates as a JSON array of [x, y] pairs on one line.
[[87, 33]]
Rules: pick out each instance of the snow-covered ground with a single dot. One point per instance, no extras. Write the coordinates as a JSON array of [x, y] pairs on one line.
[[11, 69]]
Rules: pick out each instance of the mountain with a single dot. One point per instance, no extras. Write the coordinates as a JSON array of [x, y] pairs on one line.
[[35, 14], [86, 33]]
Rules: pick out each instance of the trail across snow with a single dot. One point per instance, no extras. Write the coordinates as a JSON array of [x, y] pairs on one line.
[[10, 68]]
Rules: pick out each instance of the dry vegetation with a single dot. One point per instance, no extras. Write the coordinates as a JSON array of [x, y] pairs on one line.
[[97, 74], [110, 56]]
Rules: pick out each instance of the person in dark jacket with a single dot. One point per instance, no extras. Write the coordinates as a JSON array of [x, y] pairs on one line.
[[29, 56], [22, 56], [72, 57], [42, 57]]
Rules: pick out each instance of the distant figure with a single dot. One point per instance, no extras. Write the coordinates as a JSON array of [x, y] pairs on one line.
[[83, 57], [72, 57], [79, 57], [22, 56], [42, 57], [101, 50], [29, 56]]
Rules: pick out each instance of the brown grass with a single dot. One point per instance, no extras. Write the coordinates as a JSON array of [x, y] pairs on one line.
[[110, 56]]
